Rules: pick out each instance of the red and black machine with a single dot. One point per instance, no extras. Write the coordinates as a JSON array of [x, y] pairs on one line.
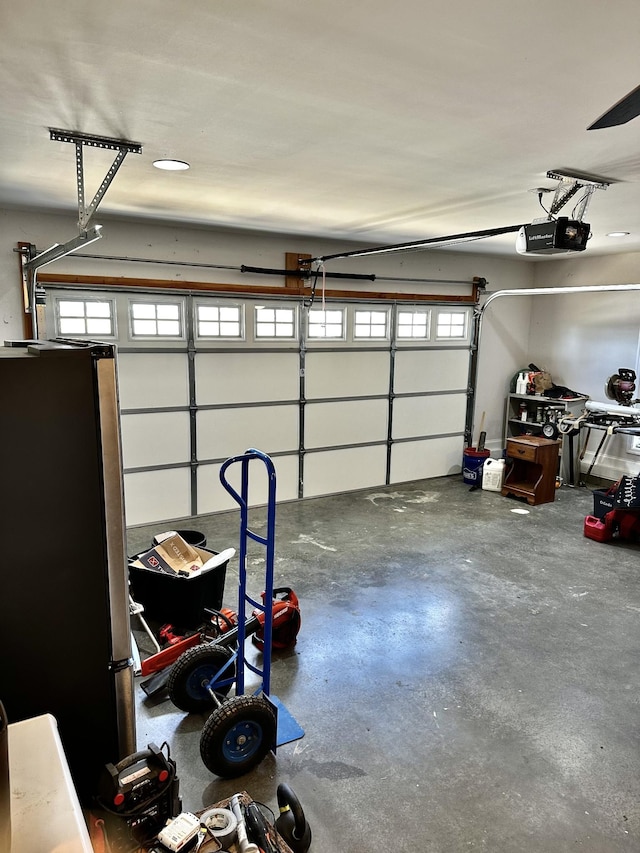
[[222, 630]]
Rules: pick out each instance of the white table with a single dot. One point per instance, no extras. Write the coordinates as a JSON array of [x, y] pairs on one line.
[[45, 812]]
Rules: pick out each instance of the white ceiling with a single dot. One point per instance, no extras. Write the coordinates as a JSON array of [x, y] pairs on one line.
[[365, 120]]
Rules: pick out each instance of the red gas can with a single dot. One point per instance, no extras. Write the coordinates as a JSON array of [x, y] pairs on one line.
[[596, 529]]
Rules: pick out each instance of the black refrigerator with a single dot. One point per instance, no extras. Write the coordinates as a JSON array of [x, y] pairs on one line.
[[65, 641]]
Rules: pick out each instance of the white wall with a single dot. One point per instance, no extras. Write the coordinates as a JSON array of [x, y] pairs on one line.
[[584, 338]]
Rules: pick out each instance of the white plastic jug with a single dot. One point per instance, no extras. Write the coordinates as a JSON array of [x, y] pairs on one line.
[[493, 475]]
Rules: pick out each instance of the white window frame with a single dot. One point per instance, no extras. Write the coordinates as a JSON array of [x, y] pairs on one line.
[[465, 325], [634, 445], [414, 311], [85, 302], [156, 303], [293, 322], [363, 324], [238, 306], [323, 322]]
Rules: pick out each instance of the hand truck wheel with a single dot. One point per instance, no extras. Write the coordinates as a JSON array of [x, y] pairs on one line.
[[238, 735], [192, 673]]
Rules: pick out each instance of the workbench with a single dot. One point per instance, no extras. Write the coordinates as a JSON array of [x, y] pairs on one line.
[[608, 429]]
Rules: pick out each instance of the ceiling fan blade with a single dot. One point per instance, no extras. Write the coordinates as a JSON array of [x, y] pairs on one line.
[[620, 113]]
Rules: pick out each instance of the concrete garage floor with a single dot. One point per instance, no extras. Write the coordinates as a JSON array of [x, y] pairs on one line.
[[466, 675]]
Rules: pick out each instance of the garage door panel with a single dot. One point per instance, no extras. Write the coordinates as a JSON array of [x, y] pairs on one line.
[[155, 438], [428, 415], [228, 432], [239, 377], [331, 471], [154, 495], [213, 497], [345, 422], [418, 460], [153, 380], [346, 374], [247, 394], [430, 370]]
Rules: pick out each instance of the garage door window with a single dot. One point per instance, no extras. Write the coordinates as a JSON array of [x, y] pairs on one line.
[[325, 324], [451, 325], [85, 317], [156, 320], [275, 323], [413, 324], [371, 324], [219, 321]]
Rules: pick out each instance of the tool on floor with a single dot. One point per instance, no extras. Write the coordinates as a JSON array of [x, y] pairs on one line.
[[138, 795], [244, 844], [292, 823], [242, 729], [483, 435], [286, 624], [137, 609], [222, 824], [178, 834], [220, 621], [258, 829]]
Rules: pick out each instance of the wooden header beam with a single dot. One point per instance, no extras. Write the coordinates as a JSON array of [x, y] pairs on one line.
[[254, 290]]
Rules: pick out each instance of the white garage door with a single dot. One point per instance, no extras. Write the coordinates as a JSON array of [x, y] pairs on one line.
[[341, 397]]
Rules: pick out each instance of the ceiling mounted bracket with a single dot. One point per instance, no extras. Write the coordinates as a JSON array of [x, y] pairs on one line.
[[569, 183], [122, 146], [31, 261]]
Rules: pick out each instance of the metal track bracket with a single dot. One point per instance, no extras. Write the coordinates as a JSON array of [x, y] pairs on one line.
[[569, 183], [122, 146], [32, 261]]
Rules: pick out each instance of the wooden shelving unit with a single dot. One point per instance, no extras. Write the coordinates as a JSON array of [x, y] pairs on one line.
[[538, 411]]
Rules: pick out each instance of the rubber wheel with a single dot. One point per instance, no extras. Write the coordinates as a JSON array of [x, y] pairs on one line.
[[238, 735], [191, 674]]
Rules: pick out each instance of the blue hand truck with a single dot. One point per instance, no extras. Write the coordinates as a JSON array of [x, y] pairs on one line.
[[241, 729]]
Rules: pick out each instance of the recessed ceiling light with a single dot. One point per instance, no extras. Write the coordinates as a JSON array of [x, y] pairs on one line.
[[171, 165], [618, 234]]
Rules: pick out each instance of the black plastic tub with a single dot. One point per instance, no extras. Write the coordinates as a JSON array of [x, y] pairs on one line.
[[175, 599], [602, 502], [192, 537]]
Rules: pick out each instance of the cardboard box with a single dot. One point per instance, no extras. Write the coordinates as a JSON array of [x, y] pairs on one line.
[[173, 556]]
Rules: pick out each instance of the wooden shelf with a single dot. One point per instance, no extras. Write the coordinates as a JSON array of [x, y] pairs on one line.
[[549, 409]]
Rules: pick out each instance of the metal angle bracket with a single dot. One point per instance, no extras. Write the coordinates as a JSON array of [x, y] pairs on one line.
[[569, 183], [122, 146]]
